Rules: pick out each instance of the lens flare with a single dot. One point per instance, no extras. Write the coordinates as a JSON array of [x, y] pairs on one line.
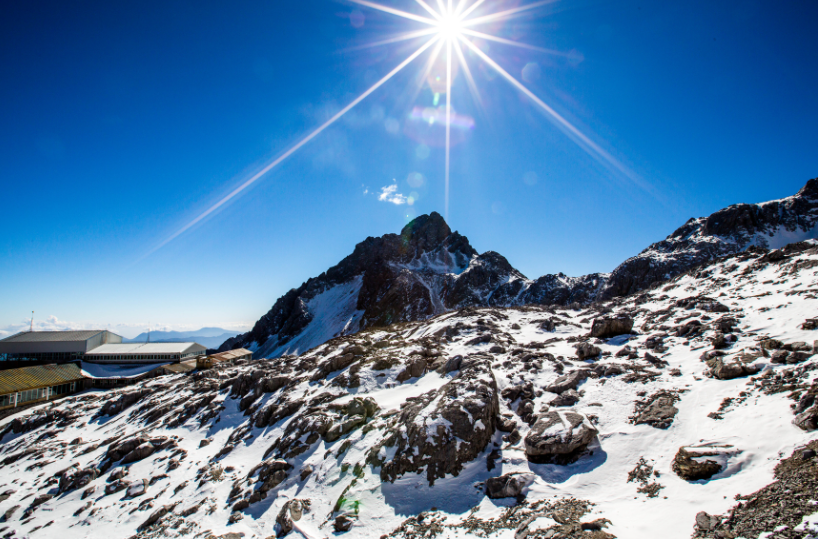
[[449, 26]]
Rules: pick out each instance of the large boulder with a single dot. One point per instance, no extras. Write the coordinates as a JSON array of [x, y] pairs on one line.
[[607, 327], [443, 429], [75, 478], [558, 435], [510, 485], [728, 370]]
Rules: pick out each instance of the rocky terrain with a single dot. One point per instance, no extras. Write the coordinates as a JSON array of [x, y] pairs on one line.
[[685, 409], [427, 270]]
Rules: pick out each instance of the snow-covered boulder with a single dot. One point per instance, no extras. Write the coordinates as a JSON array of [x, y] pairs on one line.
[[558, 434]]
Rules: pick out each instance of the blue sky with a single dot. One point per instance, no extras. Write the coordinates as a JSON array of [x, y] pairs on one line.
[[121, 123]]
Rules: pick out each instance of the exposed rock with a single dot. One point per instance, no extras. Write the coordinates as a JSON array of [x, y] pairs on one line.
[[291, 511], [559, 435], [124, 401], [586, 351], [415, 369], [568, 381], [140, 452], [776, 510], [693, 465], [510, 485], [138, 488], [729, 370], [75, 478], [808, 419], [567, 398], [658, 410], [705, 522], [343, 523], [606, 327], [454, 431]]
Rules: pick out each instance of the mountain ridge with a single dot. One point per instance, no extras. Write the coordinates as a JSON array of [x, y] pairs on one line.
[[427, 269]]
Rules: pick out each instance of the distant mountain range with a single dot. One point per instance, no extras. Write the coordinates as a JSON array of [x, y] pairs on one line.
[[428, 269], [208, 337]]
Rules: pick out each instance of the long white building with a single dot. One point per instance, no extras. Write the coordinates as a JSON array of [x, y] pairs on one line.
[[152, 352], [38, 347]]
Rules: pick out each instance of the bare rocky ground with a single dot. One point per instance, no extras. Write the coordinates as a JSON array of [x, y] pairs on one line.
[[642, 416]]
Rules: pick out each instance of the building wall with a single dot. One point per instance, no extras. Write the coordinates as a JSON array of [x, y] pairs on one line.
[[19, 400]]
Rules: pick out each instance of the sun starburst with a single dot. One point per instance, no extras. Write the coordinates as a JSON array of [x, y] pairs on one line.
[[447, 27]]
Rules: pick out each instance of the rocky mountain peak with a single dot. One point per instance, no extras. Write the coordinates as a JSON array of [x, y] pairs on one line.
[[429, 231], [810, 190]]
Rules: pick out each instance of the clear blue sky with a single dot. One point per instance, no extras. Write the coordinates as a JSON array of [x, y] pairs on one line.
[[122, 122]]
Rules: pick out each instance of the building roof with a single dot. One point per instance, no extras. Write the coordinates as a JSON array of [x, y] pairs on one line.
[[145, 348], [181, 367], [12, 380], [52, 336], [230, 354], [97, 371]]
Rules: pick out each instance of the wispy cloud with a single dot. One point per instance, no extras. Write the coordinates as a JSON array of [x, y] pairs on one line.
[[390, 194], [52, 323]]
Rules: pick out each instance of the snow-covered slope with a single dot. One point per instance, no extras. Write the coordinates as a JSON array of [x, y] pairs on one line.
[[771, 225], [402, 430], [427, 270]]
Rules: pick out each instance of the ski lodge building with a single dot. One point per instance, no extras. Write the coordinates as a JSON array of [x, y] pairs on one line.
[[40, 366], [33, 347]]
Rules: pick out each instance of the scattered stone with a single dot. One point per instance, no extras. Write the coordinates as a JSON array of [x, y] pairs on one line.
[[568, 381], [692, 464], [343, 523], [658, 410], [567, 398], [138, 488], [586, 351]]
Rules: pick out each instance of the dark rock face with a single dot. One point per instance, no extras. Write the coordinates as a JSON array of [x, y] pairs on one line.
[[558, 434], [459, 427], [606, 327], [587, 351], [510, 485]]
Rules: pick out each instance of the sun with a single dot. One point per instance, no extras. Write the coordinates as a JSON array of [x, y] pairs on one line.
[[448, 31], [450, 26]]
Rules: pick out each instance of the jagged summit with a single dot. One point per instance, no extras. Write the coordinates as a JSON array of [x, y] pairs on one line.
[[428, 269], [770, 225]]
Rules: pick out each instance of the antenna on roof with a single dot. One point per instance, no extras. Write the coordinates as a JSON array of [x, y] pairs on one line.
[[149, 332], [31, 328]]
